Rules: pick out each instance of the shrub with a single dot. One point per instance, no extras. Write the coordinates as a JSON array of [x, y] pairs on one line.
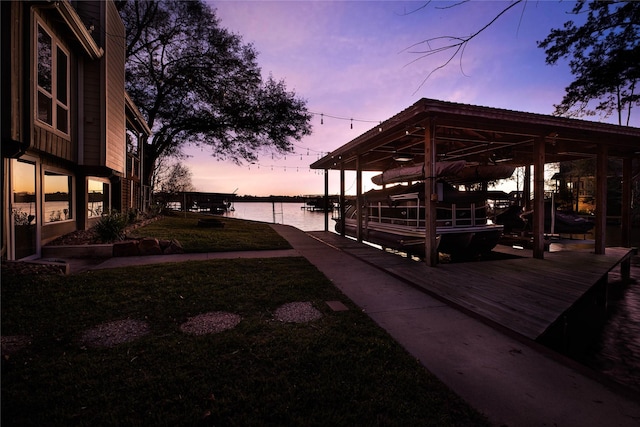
[[111, 227], [132, 216]]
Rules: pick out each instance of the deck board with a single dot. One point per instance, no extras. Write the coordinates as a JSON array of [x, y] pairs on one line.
[[523, 294]]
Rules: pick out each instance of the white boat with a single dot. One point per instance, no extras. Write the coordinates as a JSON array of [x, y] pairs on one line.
[[394, 218]]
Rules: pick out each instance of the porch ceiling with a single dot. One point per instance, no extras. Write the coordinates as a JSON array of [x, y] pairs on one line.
[[479, 135]]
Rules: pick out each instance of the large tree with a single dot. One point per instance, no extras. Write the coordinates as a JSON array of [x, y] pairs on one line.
[[197, 83], [604, 56]]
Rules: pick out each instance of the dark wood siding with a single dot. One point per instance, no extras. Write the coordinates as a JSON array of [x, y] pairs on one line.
[[53, 144], [92, 114], [114, 60], [12, 71]]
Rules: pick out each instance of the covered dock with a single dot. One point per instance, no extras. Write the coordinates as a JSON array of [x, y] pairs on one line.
[[432, 131]]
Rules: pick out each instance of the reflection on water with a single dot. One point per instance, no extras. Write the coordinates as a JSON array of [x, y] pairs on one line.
[[617, 351], [292, 214]]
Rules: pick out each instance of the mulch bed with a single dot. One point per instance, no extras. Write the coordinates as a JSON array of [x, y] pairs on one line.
[[24, 268]]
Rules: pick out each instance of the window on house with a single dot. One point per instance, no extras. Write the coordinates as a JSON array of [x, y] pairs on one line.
[[57, 197], [52, 82], [98, 198], [133, 162], [132, 142]]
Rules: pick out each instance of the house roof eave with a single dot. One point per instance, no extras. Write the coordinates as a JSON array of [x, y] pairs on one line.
[[81, 33]]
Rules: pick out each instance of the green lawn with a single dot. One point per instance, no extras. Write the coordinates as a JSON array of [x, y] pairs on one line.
[[236, 234], [339, 370]]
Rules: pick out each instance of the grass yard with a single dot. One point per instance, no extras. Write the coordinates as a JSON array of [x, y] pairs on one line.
[[236, 235], [338, 370]]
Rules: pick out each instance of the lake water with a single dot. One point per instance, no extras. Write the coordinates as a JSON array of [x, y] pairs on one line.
[[293, 214], [615, 351]]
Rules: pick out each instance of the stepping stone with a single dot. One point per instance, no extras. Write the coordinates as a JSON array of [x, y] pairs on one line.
[[337, 306]]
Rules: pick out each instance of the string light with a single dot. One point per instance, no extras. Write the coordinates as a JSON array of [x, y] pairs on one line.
[[282, 167], [322, 115]]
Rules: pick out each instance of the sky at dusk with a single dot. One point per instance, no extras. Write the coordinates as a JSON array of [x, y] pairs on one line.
[[353, 60]]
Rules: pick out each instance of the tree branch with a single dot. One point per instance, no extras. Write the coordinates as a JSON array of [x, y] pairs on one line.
[[457, 44]]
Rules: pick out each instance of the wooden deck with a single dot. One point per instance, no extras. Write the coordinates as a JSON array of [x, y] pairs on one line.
[[523, 294]]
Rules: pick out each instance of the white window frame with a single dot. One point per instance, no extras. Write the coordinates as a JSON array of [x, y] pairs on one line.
[[106, 199], [72, 200], [54, 95]]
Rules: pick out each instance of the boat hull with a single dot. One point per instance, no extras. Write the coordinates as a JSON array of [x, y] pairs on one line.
[[464, 242]]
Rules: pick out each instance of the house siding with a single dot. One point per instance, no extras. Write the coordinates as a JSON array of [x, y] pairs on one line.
[[92, 87], [91, 34], [115, 62], [92, 115], [12, 72]]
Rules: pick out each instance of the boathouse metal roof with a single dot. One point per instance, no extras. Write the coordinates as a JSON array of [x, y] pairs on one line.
[[483, 135]]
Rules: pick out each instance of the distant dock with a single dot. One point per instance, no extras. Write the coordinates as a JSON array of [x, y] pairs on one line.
[[320, 203]]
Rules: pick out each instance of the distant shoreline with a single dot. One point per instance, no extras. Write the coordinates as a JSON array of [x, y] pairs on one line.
[[283, 199]]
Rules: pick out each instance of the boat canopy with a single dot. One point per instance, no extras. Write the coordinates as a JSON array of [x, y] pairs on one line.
[[416, 172], [397, 192], [457, 172]]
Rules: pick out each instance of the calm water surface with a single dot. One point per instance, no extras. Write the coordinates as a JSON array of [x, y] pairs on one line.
[[616, 350], [293, 214]]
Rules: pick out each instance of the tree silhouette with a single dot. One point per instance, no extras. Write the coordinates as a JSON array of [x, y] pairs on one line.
[[198, 84], [604, 57]]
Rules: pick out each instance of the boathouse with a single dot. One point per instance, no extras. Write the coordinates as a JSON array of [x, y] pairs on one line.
[[432, 131]]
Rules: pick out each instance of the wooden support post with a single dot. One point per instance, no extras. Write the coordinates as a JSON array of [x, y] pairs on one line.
[[326, 200], [430, 196], [538, 194], [526, 189], [625, 228], [601, 199], [342, 200], [359, 199]]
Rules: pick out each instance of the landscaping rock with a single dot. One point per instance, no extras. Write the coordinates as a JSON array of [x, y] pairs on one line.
[[126, 248], [149, 246], [174, 247]]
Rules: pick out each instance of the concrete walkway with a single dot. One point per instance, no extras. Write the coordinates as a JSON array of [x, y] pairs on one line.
[[511, 382]]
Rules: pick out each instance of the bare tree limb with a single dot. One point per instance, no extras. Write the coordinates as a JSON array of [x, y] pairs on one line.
[[456, 44]]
